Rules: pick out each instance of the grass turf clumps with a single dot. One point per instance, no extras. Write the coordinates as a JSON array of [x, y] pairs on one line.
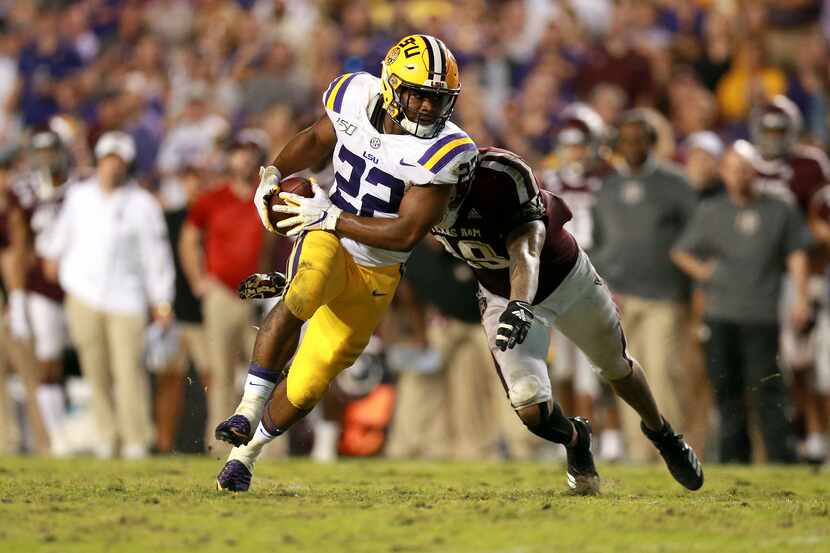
[[170, 504]]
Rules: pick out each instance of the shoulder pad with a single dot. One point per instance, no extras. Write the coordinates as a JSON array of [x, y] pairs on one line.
[[358, 86], [446, 152], [514, 175]]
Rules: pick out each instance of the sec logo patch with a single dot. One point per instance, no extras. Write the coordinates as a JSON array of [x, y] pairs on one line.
[[375, 142]]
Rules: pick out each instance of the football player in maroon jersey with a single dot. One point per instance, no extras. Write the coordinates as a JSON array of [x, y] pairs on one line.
[[40, 192], [815, 446], [795, 172], [12, 222], [529, 267], [786, 168], [530, 270]]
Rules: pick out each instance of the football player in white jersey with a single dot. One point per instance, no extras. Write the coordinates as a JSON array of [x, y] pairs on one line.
[[396, 158]]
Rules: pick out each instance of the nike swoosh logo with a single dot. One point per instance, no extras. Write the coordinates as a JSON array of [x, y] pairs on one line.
[[322, 217], [407, 164], [378, 294]]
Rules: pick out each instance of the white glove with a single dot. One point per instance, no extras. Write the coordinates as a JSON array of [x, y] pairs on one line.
[[316, 213], [269, 183], [19, 327]]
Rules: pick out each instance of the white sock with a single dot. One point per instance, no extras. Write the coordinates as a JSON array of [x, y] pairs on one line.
[[52, 405], [326, 435], [254, 396], [815, 447], [134, 452], [249, 453], [611, 445]]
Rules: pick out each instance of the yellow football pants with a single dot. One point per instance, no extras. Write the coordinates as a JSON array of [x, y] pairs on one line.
[[342, 301]]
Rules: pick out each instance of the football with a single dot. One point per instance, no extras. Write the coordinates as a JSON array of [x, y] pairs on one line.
[[294, 185]]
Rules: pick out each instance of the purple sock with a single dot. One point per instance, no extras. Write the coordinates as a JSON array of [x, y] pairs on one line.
[[263, 373]]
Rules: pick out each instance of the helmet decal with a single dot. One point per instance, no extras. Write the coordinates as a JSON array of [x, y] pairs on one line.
[[420, 67], [393, 55]]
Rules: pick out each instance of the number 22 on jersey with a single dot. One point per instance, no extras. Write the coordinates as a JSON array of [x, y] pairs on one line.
[[365, 193]]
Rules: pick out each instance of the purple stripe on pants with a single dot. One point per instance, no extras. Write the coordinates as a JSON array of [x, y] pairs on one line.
[[295, 261]]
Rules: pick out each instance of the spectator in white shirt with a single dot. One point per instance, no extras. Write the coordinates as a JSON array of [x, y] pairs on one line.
[[112, 257]]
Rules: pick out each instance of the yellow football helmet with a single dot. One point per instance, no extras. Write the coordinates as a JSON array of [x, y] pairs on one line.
[[424, 66]]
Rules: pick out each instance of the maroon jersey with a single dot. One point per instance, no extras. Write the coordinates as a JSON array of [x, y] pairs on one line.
[[578, 190], [41, 206], [820, 205], [502, 196], [796, 177]]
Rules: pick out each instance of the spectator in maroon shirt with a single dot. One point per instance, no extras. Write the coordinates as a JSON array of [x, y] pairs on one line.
[[615, 61]]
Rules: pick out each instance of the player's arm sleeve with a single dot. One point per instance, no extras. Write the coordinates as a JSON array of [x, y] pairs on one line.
[[159, 272], [531, 210], [520, 200]]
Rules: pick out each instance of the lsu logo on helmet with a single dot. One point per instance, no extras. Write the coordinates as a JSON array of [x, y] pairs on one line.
[[420, 65]]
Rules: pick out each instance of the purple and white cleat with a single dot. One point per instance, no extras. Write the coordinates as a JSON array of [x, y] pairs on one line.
[[235, 430], [234, 477]]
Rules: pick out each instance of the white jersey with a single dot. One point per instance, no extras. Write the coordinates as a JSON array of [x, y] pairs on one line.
[[372, 170]]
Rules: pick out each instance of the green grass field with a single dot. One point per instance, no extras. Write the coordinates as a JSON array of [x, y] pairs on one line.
[[170, 504]]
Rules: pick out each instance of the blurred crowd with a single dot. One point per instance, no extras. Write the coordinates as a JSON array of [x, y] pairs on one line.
[[661, 123]]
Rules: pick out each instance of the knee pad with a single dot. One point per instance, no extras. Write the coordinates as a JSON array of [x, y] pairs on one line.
[[305, 292], [528, 390], [551, 424], [305, 395], [622, 368]]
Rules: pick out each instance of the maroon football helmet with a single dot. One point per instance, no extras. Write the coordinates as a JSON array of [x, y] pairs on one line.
[[580, 125], [775, 127], [579, 138]]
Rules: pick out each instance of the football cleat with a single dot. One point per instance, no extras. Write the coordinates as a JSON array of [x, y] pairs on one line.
[[681, 460], [583, 478], [235, 430], [234, 477]]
